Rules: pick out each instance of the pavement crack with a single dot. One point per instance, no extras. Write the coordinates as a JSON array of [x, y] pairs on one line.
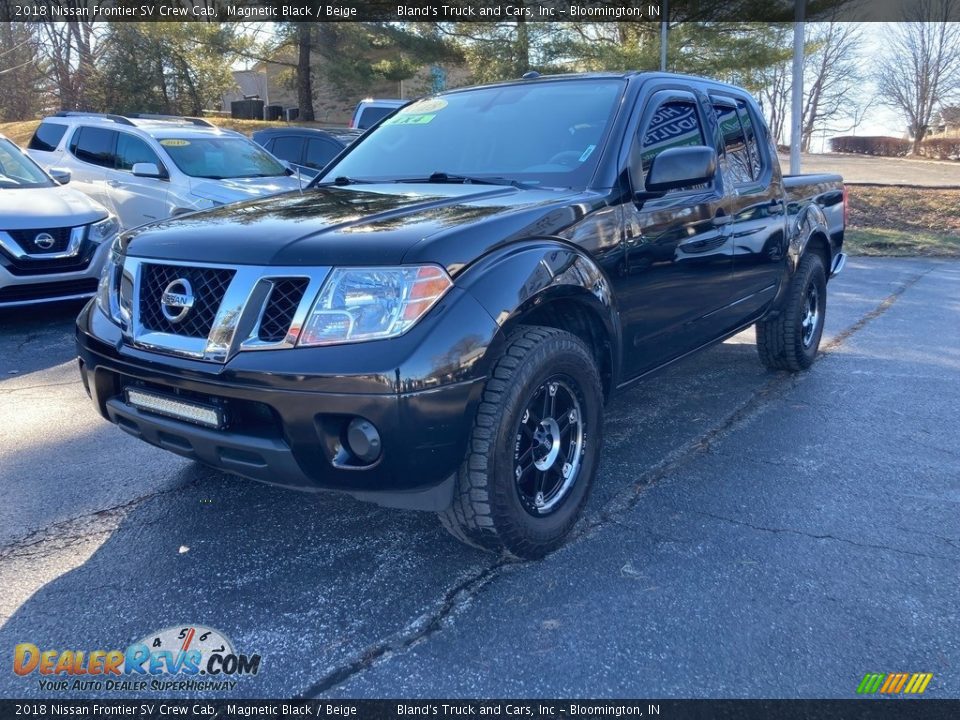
[[420, 629], [10, 391], [824, 536], [77, 529]]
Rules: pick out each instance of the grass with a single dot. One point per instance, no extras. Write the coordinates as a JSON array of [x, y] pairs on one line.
[[900, 221], [895, 221], [897, 243]]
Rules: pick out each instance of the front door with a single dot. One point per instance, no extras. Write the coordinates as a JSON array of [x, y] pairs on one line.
[[678, 258], [137, 200]]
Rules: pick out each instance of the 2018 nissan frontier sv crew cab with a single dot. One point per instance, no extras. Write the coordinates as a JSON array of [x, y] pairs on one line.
[[436, 322]]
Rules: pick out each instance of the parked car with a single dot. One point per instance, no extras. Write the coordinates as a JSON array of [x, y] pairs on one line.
[[307, 150], [151, 167], [369, 112], [53, 240], [436, 324]]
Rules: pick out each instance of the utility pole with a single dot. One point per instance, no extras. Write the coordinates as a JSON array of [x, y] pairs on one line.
[[796, 112], [664, 29]]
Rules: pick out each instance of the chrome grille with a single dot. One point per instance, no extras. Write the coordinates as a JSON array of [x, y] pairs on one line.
[[235, 308], [281, 306], [26, 239], [209, 288]]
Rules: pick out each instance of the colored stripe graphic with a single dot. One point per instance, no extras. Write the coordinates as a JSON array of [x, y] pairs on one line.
[[894, 683]]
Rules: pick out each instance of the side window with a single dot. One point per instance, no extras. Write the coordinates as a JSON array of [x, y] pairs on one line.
[[288, 148], [739, 164], [94, 145], [756, 159], [320, 152], [371, 115], [674, 124], [132, 150], [47, 136]]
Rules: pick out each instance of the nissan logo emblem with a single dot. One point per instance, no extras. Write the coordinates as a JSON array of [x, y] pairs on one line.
[[177, 299], [44, 241]]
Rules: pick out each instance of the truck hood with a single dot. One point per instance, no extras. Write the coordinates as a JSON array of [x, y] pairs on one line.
[[52, 207], [377, 224], [237, 189]]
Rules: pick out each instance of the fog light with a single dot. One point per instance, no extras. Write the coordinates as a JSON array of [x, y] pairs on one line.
[[363, 440]]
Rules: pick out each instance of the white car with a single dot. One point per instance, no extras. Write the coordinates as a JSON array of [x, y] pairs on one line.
[[54, 240], [148, 168]]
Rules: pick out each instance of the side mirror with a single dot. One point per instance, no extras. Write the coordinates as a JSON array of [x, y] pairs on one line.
[[147, 170], [681, 167], [60, 175]]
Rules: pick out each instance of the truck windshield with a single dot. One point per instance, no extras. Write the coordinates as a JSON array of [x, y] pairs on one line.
[[542, 133], [19, 171], [221, 158]]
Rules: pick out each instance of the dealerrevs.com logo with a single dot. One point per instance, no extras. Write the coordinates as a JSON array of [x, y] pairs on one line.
[[187, 657]]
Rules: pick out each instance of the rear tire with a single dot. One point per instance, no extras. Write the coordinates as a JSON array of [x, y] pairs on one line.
[[790, 340], [534, 447]]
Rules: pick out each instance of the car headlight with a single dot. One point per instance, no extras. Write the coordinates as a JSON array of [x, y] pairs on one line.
[[357, 304], [104, 230], [108, 291]]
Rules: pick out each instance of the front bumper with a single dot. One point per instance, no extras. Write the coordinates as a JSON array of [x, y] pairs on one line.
[[288, 410], [54, 284]]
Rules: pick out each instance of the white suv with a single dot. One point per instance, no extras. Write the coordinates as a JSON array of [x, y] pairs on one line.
[[147, 168]]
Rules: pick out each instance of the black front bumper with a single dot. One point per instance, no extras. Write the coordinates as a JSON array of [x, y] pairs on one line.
[[287, 410]]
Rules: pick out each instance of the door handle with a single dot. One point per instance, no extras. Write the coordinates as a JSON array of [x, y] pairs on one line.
[[114, 183], [721, 220], [775, 207]]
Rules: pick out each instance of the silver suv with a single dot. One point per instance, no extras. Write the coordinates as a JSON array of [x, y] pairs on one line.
[[147, 168], [53, 240]]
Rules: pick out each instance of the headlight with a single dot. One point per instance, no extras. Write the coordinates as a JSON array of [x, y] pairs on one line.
[[104, 230], [358, 304], [108, 295]]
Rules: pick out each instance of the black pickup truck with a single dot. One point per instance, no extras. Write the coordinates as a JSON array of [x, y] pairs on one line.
[[437, 321]]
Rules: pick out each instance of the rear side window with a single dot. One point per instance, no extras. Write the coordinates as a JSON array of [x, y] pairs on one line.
[[47, 137], [674, 124], [132, 150], [370, 116], [95, 146], [739, 162], [756, 159], [288, 148], [320, 152]]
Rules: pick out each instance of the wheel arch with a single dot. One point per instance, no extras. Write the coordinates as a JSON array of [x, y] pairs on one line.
[[551, 283]]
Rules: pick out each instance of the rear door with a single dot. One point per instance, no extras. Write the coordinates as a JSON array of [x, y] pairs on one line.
[[93, 150], [756, 201], [678, 259], [137, 200]]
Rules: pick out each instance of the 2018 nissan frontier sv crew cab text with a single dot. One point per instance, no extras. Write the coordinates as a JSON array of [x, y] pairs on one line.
[[436, 322]]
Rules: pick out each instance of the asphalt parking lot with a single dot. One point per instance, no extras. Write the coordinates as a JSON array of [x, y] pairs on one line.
[[751, 534]]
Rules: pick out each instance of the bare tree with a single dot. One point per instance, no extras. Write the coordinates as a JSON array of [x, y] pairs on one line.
[[70, 52], [832, 78], [921, 66]]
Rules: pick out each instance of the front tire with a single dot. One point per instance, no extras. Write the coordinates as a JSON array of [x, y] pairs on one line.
[[534, 447], [790, 340]]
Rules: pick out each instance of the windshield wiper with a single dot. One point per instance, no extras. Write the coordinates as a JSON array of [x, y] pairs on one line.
[[341, 180], [442, 177]]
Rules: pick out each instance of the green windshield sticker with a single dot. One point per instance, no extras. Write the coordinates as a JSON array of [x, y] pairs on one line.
[[409, 120], [174, 142]]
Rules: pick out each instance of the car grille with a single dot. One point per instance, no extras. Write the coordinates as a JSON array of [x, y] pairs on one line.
[[283, 302], [27, 239], [209, 286]]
